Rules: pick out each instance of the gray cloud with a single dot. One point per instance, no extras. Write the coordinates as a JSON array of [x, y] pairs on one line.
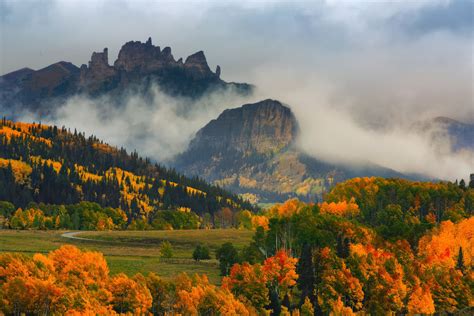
[[356, 74]]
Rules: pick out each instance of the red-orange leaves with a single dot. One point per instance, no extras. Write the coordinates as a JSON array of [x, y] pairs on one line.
[[248, 283], [281, 270]]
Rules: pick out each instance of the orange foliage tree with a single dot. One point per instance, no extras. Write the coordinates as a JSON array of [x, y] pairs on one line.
[[347, 209], [280, 271], [441, 246], [68, 281], [198, 297], [248, 283]]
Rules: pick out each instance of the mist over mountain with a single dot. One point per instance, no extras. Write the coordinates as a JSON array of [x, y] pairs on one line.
[[253, 150]]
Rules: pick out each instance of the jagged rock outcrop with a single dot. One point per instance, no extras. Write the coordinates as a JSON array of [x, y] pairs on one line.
[[138, 66], [136, 56], [99, 75]]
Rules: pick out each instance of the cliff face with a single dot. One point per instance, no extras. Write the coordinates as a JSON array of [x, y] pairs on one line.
[[138, 66], [265, 127]]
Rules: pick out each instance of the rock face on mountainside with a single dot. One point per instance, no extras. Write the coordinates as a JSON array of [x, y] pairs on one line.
[[251, 150], [138, 66], [265, 127]]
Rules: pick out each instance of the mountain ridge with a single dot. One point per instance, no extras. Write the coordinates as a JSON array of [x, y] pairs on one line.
[[137, 65]]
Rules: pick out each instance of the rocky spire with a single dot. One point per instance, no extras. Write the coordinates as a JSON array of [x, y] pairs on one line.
[[197, 65], [99, 59], [144, 57]]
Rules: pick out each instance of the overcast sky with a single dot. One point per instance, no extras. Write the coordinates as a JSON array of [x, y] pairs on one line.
[[374, 64]]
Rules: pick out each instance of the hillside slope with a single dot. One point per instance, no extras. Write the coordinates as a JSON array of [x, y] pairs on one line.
[[46, 164]]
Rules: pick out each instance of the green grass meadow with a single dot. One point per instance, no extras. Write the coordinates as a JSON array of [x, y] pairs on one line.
[[131, 252]]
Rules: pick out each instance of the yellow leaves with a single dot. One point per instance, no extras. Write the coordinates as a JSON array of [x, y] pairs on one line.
[[86, 175], [198, 297], [260, 221], [441, 246], [338, 309], [421, 301], [67, 280], [104, 148], [9, 132], [86, 268], [21, 170], [190, 190], [184, 209], [129, 295], [52, 163], [346, 209], [286, 209]]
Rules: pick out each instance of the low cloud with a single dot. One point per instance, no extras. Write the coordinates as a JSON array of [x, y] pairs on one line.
[[158, 127]]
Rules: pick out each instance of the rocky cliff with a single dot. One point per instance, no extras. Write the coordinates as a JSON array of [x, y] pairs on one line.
[[137, 67], [265, 127]]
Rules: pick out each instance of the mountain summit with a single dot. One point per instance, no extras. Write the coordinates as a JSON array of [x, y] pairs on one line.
[[265, 127], [138, 66]]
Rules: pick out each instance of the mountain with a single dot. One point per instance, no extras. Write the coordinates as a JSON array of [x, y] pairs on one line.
[[137, 67], [461, 134], [251, 150], [47, 164]]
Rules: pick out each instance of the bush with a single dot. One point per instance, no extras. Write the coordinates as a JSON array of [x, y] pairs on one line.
[[166, 250], [227, 256], [201, 253]]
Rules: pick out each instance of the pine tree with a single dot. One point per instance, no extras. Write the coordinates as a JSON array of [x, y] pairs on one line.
[[305, 270], [460, 262]]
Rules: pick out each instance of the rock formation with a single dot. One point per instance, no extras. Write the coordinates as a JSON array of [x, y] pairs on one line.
[[138, 66]]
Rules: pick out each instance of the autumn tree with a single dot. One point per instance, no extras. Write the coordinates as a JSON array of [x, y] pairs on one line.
[[129, 295], [249, 284], [280, 271], [166, 250]]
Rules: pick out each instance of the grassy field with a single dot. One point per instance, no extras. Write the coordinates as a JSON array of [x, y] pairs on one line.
[[134, 251]]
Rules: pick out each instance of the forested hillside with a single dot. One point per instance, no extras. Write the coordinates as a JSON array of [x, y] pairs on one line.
[[53, 166], [376, 246]]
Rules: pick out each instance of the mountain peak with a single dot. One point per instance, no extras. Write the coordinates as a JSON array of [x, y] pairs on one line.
[[263, 127], [197, 65]]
